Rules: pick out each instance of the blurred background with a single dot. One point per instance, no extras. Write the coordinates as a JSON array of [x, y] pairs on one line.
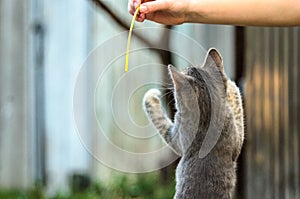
[[45, 44]]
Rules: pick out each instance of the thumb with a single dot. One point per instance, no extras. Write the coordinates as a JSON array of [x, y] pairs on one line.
[[153, 6], [136, 3]]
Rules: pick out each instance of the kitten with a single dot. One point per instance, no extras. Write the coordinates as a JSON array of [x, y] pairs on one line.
[[199, 93]]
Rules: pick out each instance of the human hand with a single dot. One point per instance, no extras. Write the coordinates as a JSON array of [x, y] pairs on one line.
[[169, 12], [230, 12]]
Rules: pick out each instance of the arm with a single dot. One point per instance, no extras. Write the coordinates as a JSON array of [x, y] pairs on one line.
[[160, 120], [246, 12], [233, 12]]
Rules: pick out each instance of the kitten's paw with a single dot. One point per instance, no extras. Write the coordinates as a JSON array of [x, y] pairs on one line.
[[151, 98]]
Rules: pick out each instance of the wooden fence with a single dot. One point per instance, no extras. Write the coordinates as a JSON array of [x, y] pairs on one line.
[[272, 100]]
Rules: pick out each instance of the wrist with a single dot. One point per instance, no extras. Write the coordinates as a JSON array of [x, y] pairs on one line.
[[195, 12]]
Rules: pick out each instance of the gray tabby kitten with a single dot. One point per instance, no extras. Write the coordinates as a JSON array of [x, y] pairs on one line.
[[212, 176]]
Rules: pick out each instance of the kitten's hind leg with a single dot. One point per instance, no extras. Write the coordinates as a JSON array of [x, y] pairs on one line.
[[159, 118]]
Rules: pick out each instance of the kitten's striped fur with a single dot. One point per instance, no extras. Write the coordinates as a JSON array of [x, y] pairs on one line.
[[212, 177]]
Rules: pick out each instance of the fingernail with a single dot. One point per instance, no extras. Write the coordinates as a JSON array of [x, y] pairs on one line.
[[143, 8], [142, 16], [138, 19]]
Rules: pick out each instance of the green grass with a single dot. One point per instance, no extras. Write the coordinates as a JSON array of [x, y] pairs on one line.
[[147, 186]]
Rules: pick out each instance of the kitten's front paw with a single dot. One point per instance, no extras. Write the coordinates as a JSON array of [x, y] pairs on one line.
[[151, 98]]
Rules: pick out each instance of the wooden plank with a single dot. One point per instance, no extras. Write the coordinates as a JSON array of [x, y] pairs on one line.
[[297, 110], [266, 112], [255, 109], [276, 108], [15, 98], [292, 56], [249, 109], [261, 136], [279, 112], [272, 109], [271, 104], [285, 115]]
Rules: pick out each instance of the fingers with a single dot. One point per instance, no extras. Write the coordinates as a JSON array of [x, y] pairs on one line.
[[136, 3], [153, 6], [132, 5], [141, 17]]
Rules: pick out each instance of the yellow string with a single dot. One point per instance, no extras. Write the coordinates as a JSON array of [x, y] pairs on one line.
[[129, 37]]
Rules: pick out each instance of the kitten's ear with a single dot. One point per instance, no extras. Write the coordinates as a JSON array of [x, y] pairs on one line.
[[214, 58], [214, 61], [177, 77]]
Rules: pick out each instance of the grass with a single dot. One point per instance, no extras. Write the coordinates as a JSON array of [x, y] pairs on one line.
[[147, 186]]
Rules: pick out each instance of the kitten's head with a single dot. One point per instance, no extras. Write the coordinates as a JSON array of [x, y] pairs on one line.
[[197, 89]]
